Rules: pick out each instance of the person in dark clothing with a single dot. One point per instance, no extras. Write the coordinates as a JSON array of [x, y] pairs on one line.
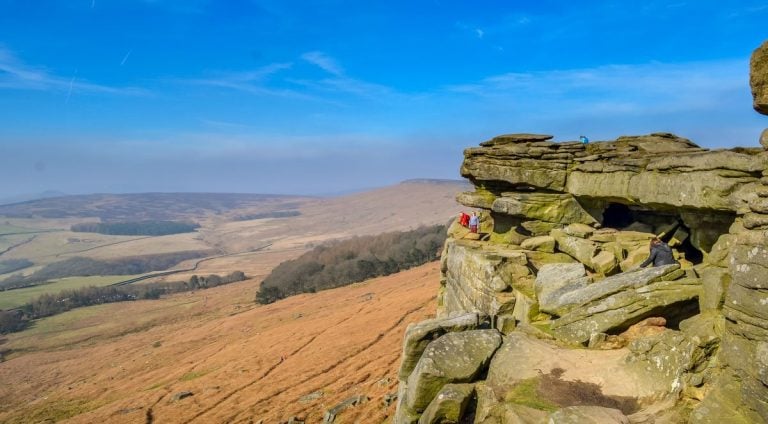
[[661, 254]]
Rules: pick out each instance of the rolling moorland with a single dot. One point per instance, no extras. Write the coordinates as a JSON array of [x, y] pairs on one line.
[[209, 337]]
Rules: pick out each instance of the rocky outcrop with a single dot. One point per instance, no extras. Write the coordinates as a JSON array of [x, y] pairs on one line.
[[572, 329], [758, 67]]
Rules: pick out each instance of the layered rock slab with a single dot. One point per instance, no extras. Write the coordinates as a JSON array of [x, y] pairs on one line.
[[614, 303]]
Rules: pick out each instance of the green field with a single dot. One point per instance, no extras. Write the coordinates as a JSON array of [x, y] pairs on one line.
[[12, 229], [15, 298]]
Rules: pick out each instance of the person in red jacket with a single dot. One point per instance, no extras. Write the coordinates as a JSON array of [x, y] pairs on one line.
[[464, 219]]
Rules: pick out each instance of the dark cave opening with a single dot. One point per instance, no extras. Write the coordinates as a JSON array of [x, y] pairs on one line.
[[674, 313], [617, 215], [667, 225]]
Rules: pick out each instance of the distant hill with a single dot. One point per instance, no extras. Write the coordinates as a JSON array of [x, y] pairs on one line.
[[178, 206], [34, 196], [144, 206], [438, 181]]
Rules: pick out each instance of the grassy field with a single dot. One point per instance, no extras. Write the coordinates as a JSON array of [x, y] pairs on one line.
[[12, 229], [15, 298]]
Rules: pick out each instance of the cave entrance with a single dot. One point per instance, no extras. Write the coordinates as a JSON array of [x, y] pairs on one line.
[[674, 314], [617, 216], [692, 233]]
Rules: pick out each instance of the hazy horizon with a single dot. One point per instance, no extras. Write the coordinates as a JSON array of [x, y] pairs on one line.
[[256, 96]]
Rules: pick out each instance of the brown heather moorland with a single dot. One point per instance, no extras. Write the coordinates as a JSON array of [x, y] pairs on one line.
[[242, 362]]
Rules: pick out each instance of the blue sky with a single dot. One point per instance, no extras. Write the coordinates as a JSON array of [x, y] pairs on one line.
[[327, 96]]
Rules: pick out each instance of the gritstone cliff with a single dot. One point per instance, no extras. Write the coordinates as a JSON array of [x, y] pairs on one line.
[[545, 316]]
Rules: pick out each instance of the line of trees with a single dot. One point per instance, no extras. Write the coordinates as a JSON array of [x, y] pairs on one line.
[[84, 267], [349, 261], [51, 304], [136, 228]]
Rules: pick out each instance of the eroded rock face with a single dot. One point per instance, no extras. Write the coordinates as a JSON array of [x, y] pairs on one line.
[[480, 281], [758, 67], [556, 271]]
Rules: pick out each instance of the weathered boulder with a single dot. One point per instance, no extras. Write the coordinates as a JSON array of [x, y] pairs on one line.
[[540, 243], [580, 249], [580, 230], [758, 78], [604, 263], [538, 228], [588, 415], [553, 280], [449, 405], [418, 336], [181, 395], [452, 358], [330, 415], [671, 356]]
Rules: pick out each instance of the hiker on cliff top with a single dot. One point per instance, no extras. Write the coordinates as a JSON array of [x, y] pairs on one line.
[[474, 222], [583, 139], [661, 254]]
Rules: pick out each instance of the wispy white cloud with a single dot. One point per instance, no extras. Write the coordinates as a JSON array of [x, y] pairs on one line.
[[265, 81], [17, 75], [324, 62], [619, 88], [251, 82]]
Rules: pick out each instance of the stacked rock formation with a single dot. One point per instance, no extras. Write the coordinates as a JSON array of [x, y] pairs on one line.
[[564, 227], [743, 385]]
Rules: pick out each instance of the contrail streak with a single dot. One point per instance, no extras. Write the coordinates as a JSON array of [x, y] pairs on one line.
[[126, 57], [71, 84]]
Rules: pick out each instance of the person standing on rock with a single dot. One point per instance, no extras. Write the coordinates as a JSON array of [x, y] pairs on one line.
[[464, 219], [474, 222], [661, 254], [583, 139]]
